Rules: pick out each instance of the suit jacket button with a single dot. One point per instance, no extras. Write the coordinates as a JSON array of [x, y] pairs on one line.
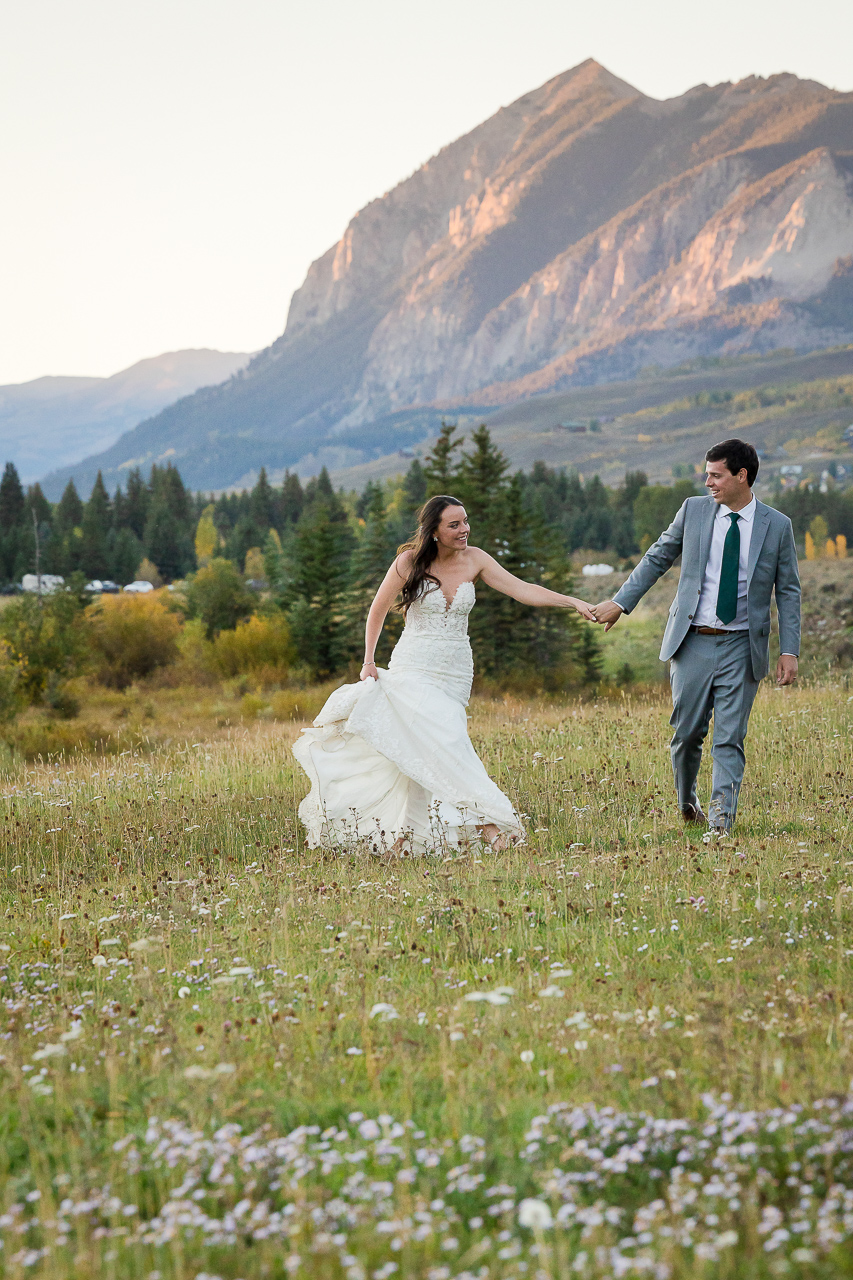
[[690, 617]]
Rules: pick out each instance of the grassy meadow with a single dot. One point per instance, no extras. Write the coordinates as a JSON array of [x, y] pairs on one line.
[[618, 1050]]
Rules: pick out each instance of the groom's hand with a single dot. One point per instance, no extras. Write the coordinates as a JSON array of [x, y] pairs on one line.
[[608, 612], [786, 669]]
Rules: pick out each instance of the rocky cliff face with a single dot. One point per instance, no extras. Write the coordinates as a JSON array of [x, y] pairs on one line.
[[695, 246], [579, 234]]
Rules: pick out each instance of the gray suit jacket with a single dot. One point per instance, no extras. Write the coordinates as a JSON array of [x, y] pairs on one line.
[[772, 564]]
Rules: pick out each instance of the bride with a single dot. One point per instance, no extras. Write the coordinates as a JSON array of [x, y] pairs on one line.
[[389, 758]]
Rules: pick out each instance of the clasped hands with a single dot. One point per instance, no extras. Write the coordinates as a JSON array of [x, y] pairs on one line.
[[607, 613]]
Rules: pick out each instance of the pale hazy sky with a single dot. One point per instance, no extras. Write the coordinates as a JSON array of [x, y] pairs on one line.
[[171, 167]]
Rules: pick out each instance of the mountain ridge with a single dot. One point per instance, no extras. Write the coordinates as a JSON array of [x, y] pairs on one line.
[[67, 418], [579, 234]]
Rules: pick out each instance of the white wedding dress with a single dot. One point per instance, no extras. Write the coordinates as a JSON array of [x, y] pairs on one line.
[[392, 757]]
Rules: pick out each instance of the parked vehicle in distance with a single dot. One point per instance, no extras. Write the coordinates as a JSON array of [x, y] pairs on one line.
[[42, 583]]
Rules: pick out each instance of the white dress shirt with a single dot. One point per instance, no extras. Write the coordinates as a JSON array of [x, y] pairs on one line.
[[706, 612]]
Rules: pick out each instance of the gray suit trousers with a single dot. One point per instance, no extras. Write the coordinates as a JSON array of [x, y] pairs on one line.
[[711, 674]]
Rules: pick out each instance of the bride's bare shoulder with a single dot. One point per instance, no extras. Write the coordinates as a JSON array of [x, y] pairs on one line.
[[403, 562]]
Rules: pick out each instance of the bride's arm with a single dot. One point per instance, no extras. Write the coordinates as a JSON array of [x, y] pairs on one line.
[[495, 575], [386, 595]]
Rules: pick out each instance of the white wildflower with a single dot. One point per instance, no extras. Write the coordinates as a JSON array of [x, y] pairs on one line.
[[383, 1011], [500, 995], [49, 1051], [534, 1214]]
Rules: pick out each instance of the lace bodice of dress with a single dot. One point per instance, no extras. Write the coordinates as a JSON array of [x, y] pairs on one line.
[[430, 614]]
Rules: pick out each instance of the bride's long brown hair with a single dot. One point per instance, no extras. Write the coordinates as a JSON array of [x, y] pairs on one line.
[[422, 547]]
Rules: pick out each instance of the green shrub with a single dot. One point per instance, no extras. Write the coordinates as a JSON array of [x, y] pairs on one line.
[[196, 650], [44, 738], [260, 646], [251, 706], [60, 698], [11, 684], [131, 636], [47, 638], [219, 597]]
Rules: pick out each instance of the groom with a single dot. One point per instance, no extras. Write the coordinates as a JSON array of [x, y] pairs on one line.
[[735, 551]]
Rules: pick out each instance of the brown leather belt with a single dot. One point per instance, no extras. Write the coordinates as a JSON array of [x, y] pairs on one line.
[[712, 631]]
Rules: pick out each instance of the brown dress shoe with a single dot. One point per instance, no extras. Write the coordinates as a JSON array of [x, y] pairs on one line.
[[692, 813]]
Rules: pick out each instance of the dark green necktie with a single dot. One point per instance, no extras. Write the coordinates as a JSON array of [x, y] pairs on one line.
[[727, 595]]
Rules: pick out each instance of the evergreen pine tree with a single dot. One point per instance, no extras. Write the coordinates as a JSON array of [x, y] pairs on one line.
[[561, 648], [11, 500], [574, 512], [37, 502], [497, 635], [169, 526], [95, 528], [126, 556], [290, 502], [11, 523], [366, 500], [69, 510], [165, 543], [36, 535], [63, 551], [317, 577], [589, 655], [480, 484], [243, 537], [624, 534], [439, 464], [599, 516], [414, 496], [262, 507], [319, 486], [168, 487], [223, 516], [135, 504], [369, 565]]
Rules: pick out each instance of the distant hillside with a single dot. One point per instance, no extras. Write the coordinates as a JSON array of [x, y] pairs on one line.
[[52, 422], [579, 236], [794, 408]]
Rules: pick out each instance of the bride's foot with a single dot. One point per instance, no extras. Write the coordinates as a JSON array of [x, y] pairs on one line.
[[496, 839]]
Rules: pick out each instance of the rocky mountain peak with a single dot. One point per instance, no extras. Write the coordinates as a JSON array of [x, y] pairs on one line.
[[579, 234]]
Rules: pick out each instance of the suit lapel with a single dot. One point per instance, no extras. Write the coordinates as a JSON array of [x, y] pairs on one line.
[[760, 525], [705, 534]]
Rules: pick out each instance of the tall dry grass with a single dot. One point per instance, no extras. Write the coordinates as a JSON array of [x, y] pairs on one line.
[[178, 966]]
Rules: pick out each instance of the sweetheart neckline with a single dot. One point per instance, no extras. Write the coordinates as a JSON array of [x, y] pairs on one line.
[[448, 604]]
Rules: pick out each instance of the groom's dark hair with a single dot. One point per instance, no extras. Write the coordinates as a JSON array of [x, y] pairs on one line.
[[735, 454]]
